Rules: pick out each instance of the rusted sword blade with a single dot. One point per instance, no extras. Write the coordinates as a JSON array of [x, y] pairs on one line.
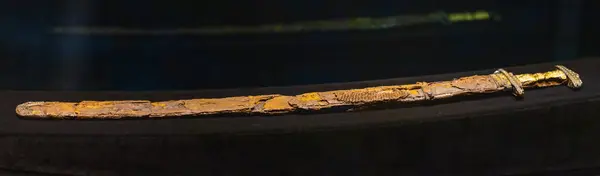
[[501, 80]]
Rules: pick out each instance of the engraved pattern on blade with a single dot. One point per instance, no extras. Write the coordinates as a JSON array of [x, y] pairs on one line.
[[370, 95]]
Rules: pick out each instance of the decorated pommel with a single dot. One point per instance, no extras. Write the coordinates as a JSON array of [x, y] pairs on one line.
[[573, 79]]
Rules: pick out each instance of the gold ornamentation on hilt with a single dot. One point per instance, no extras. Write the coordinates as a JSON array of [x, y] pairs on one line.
[[518, 83]]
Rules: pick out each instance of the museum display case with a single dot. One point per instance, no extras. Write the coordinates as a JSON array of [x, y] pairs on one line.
[[299, 88]]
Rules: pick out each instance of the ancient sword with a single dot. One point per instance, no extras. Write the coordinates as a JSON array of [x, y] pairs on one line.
[[500, 80]]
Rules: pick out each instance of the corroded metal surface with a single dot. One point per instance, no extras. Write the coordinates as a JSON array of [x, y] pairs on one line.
[[314, 101]]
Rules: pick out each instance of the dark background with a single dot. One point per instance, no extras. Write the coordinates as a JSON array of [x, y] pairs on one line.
[[33, 58]]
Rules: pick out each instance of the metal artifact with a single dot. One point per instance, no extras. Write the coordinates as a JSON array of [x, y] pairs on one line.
[[500, 80]]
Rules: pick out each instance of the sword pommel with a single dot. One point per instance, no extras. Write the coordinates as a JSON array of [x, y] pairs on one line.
[[573, 79]]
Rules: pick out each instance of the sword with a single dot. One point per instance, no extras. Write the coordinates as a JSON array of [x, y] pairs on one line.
[[500, 80]]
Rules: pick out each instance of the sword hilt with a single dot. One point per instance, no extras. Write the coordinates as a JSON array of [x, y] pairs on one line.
[[551, 78]]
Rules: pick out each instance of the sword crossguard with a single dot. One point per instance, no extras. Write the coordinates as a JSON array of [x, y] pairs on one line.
[[517, 87]]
